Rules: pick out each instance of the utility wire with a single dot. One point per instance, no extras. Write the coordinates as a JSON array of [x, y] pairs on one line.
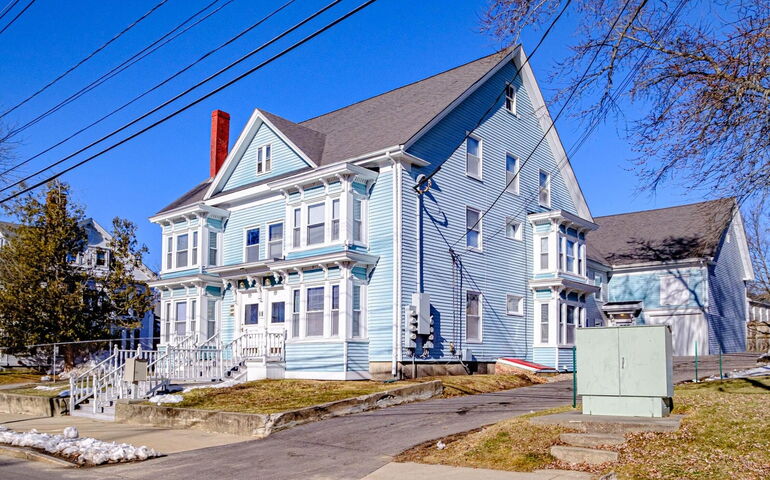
[[146, 51], [180, 95], [17, 16], [199, 99], [86, 58], [499, 96], [595, 122], [146, 92], [559, 113], [8, 8]]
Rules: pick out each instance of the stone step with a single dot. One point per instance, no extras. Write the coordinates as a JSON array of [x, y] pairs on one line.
[[592, 439], [589, 456]]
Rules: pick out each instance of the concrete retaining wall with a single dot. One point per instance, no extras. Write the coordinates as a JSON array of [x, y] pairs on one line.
[[262, 425], [32, 405]]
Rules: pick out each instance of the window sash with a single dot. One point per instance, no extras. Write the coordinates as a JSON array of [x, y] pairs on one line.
[[511, 174], [181, 250], [295, 310], [251, 314], [168, 322], [510, 98], [275, 242], [473, 157], [545, 189], [297, 227], [211, 318], [252, 245], [264, 159], [194, 256], [316, 224], [356, 325], [473, 227], [314, 311], [473, 316], [543, 253], [513, 304], [213, 248], [512, 228], [335, 311], [169, 252], [193, 310], [570, 256], [358, 220], [544, 322], [278, 312], [180, 316], [335, 219]]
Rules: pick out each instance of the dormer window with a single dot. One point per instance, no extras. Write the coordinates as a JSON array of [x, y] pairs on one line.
[[264, 159]]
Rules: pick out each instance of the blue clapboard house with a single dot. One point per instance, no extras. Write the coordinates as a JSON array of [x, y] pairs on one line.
[[361, 243]]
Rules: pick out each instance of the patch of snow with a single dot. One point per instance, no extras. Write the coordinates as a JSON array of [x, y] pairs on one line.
[[441, 445], [751, 372], [225, 384], [84, 451], [48, 389], [159, 399], [45, 378]]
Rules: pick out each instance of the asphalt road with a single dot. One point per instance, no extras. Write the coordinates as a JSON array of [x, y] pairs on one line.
[[347, 447]]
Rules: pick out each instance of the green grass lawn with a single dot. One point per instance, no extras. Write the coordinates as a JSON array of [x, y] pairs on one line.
[[13, 376], [725, 434], [271, 396]]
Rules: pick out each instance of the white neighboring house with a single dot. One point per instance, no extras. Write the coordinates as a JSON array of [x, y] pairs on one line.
[[97, 256]]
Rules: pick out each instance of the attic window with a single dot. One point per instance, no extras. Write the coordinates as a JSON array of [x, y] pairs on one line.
[[510, 98], [264, 159]]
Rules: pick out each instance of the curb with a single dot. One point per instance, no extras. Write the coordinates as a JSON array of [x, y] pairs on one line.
[[34, 455]]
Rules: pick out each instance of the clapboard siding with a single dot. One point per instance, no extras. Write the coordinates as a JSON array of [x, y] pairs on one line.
[[284, 160], [727, 297], [646, 287], [227, 322], [379, 302], [258, 215], [358, 357], [505, 265], [315, 357]]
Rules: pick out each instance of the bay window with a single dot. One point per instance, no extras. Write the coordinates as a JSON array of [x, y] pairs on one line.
[[335, 311], [543, 253], [314, 315], [315, 224]]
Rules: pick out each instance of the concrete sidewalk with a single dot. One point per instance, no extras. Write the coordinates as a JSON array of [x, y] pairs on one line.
[[161, 439], [393, 471]]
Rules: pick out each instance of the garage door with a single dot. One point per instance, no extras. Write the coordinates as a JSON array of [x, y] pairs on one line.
[[686, 332]]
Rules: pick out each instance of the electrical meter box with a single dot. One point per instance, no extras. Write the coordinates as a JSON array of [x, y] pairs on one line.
[[421, 303], [625, 371], [135, 370]]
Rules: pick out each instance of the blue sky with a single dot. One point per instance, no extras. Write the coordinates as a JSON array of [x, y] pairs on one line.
[[391, 43]]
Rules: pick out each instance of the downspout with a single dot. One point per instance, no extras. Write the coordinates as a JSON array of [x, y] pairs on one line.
[[396, 344]]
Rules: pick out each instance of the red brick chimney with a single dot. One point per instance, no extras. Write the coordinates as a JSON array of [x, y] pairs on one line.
[[220, 139]]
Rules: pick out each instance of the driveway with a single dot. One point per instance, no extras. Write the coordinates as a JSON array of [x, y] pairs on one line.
[[350, 447]]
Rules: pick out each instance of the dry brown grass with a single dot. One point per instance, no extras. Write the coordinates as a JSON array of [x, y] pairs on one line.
[[725, 435], [10, 377], [459, 385]]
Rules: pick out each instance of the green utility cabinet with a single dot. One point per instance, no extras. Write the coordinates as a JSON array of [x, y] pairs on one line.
[[626, 371]]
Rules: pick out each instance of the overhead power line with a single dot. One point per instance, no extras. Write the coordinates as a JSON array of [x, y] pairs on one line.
[[558, 114], [155, 87], [86, 58], [178, 96], [17, 16], [198, 100], [146, 51], [8, 8]]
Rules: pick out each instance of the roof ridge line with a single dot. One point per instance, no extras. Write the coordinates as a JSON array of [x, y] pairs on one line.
[[665, 208], [503, 51]]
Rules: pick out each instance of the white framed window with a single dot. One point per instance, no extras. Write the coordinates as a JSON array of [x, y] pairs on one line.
[[473, 157], [473, 316], [473, 227], [514, 304], [169, 253], [251, 314], [168, 322], [358, 219], [264, 159], [101, 258], [511, 173], [194, 255], [674, 289], [544, 253], [314, 312], [357, 320], [213, 248], [297, 228], [251, 249], [581, 250], [182, 246], [335, 311], [316, 225], [296, 305], [545, 322], [278, 312], [512, 228], [180, 317], [544, 196], [193, 316], [510, 98], [569, 316], [571, 256], [335, 219], [275, 240], [211, 318]]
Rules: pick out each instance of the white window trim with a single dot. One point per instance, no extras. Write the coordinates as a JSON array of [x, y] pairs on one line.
[[173, 236], [283, 238], [364, 215], [480, 339], [580, 318], [518, 231], [245, 235], [519, 305], [363, 319], [538, 251], [218, 248], [480, 247], [538, 323], [514, 99], [263, 148], [548, 188], [260, 312], [345, 221], [513, 188], [480, 157]]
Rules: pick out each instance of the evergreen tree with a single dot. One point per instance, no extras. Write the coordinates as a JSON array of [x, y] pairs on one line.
[[45, 297]]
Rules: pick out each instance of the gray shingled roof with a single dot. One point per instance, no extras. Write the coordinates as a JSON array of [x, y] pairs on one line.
[[370, 125], [664, 234]]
